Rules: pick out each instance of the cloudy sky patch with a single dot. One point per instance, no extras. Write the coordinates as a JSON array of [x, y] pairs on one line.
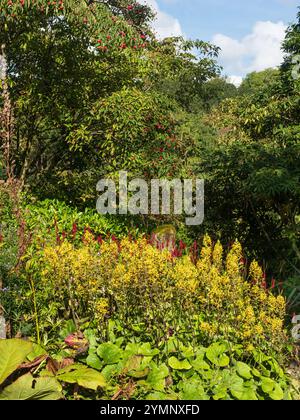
[[249, 33]]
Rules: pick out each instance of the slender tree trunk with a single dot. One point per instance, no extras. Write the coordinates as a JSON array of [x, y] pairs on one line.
[[6, 132], [6, 117]]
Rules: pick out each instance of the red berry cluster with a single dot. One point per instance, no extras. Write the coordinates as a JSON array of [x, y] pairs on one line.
[[122, 40], [136, 9], [12, 5]]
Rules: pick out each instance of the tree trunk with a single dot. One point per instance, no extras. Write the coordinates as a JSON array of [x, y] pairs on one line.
[[5, 137], [6, 117]]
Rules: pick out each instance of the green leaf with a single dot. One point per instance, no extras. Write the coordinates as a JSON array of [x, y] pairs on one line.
[[276, 368], [243, 370], [267, 385], [139, 374], [260, 357], [193, 390], [242, 390], [199, 364], [138, 366], [157, 396], [94, 362], [176, 364], [68, 329], [110, 371], [157, 376], [216, 354], [83, 376], [37, 351], [161, 396], [91, 337], [110, 353], [220, 392], [256, 373], [12, 354], [29, 388], [172, 345], [277, 394], [249, 395], [272, 388], [141, 349], [146, 350], [187, 352]]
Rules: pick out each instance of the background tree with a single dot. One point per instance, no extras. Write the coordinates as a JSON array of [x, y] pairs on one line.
[[252, 173], [73, 69], [257, 82]]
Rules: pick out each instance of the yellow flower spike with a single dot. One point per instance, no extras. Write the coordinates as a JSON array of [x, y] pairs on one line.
[[259, 330], [255, 272], [236, 250], [185, 275], [206, 252], [218, 255], [101, 308], [233, 260], [232, 265]]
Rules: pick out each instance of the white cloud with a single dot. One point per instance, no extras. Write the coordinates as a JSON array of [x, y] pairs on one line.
[[257, 51], [164, 25], [235, 80]]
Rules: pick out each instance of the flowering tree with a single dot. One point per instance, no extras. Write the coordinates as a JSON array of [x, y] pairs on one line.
[[84, 87]]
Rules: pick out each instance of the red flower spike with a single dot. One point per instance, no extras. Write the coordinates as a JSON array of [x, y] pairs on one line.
[[74, 230], [182, 245]]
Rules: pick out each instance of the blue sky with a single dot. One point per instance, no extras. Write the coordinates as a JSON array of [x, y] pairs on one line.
[[249, 32]]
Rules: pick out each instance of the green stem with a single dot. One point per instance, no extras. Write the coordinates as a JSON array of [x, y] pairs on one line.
[[37, 325]]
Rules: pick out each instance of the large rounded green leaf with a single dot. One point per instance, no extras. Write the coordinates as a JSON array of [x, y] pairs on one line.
[[157, 377], [83, 376], [111, 371], [94, 362], [137, 366], [110, 353], [272, 388], [29, 388], [244, 370], [176, 364], [193, 390], [199, 364], [12, 354], [243, 391], [133, 349], [277, 394], [216, 354]]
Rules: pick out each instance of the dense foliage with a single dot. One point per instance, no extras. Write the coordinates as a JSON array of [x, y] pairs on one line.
[[252, 170]]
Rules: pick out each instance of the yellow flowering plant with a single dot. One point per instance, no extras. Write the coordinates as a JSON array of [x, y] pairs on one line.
[[149, 291]]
